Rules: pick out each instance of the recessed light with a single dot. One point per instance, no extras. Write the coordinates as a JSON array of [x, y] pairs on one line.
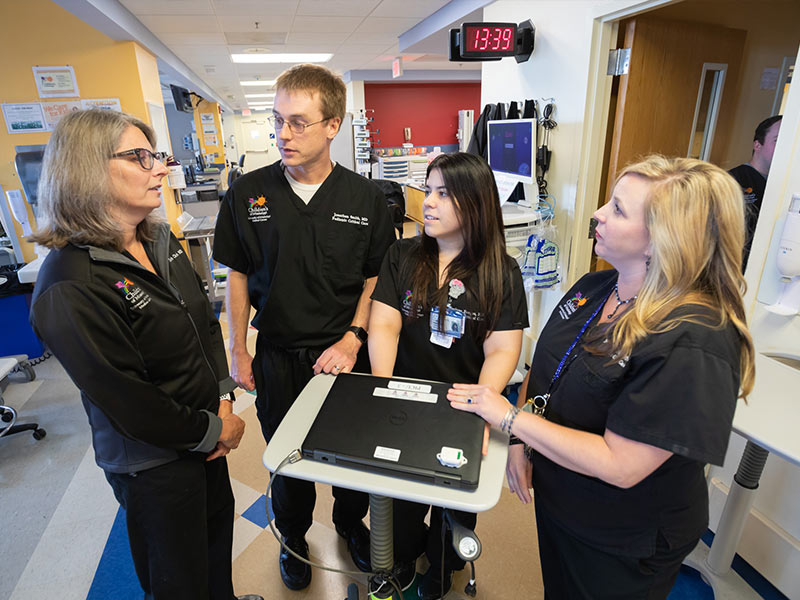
[[254, 82], [281, 58], [272, 95]]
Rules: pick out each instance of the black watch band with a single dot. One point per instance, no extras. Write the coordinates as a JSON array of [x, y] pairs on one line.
[[359, 332]]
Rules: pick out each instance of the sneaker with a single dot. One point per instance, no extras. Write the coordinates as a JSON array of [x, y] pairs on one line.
[[430, 586], [295, 574], [357, 538]]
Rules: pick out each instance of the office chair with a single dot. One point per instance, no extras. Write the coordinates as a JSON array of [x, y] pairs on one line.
[[241, 161], [234, 172], [395, 202], [8, 415]]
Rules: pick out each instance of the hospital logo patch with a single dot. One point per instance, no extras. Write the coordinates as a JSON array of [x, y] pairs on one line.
[[571, 305], [258, 210], [138, 299]]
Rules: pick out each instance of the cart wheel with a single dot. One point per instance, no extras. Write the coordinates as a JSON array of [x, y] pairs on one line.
[[39, 434], [29, 372], [6, 416], [352, 592]]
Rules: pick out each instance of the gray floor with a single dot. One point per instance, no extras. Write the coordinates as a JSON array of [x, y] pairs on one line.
[[35, 474]]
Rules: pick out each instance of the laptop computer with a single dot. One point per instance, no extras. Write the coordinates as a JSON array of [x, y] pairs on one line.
[[397, 427]]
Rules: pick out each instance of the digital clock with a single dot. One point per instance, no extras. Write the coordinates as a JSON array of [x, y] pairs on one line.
[[491, 41], [488, 40]]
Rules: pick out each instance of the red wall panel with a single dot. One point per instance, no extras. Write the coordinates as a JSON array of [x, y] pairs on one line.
[[429, 109]]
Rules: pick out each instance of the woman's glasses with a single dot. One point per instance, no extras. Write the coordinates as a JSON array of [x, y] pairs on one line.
[[145, 157]]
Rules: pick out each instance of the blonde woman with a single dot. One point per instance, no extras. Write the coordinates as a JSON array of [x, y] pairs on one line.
[[633, 386]]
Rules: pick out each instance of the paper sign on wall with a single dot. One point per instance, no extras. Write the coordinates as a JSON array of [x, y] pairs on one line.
[[24, 117], [55, 82], [54, 111], [103, 103]]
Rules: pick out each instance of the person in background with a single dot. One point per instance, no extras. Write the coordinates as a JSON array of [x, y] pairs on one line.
[[303, 239], [633, 386], [449, 306], [121, 307], [752, 176]]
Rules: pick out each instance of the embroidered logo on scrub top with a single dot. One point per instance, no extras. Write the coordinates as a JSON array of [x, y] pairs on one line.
[[571, 305], [257, 210], [132, 294]]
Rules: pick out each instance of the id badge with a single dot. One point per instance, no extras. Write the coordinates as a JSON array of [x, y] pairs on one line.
[[453, 322]]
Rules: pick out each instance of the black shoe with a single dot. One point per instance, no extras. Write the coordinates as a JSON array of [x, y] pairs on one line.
[[295, 573], [405, 573], [430, 586], [357, 538]]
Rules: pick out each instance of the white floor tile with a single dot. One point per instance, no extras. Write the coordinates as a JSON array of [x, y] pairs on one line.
[[244, 532]]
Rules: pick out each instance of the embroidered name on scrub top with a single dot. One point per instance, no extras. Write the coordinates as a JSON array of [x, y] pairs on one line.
[[258, 209]]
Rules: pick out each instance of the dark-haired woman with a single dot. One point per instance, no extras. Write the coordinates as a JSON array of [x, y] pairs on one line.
[[448, 306]]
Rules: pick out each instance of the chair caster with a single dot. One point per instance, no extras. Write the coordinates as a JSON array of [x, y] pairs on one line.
[[38, 434], [6, 416]]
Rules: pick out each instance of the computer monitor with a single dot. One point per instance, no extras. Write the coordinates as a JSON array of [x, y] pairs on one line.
[[182, 98], [512, 148]]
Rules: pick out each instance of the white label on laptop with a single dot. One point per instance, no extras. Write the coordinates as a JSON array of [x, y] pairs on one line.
[[411, 387], [392, 454], [405, 395]]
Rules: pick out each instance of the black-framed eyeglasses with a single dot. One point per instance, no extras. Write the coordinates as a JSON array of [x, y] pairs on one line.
[[145, 157], [297, 127]]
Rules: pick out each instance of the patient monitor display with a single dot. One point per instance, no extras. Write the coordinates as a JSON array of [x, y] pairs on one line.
[[512, 148]]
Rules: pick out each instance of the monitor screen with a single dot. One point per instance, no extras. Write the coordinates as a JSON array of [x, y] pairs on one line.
[[512, 148]]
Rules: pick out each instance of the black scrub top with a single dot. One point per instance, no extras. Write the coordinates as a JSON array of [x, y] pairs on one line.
[[753, 184], [305, 264], [417, 356], [677, 391]]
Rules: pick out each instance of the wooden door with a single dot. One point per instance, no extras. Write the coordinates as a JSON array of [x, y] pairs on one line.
[[655, 104]]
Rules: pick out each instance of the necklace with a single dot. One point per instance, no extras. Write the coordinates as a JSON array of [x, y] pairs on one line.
[[620, 302]]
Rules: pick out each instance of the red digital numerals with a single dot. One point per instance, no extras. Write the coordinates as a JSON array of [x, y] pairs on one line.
[[490, 39]]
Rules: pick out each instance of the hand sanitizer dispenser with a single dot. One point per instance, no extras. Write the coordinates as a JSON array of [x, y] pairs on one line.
[[788, 262]]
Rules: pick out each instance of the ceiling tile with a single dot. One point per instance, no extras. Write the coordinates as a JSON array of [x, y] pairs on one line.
[[182, 24], [265, 23], [394, 26], [337, 8], [408, 8], [323, 24], [246, 8], [194, 39]]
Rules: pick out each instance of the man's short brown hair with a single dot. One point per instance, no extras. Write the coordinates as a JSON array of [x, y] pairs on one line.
[[314, 78]]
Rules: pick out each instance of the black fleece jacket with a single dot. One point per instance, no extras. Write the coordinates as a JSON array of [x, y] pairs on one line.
[[145, 350]]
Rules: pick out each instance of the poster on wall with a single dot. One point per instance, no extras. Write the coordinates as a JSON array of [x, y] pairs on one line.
[[210, 140], [103, 103], [207, 118], [24, 117], [56, 82], [54, 111]]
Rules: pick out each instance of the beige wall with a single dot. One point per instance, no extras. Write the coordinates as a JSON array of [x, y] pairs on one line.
[[773, 32]]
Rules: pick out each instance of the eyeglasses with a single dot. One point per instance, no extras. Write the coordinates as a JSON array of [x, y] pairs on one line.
[[297, 127], [145, 157]]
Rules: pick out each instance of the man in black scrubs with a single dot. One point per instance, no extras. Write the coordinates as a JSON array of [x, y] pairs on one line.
[[303, 239], [752, 176]]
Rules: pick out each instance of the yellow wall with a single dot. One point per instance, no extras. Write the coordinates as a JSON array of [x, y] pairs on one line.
[[39, 32]]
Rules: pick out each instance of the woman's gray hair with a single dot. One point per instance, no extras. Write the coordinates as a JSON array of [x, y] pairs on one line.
[[75, 199]]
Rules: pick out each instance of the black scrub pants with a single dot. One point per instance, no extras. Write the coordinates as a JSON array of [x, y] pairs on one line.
[[180, 527], [411, 537], [573, 570], [280, 375]]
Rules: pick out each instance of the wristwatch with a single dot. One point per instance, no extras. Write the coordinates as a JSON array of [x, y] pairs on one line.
[[359, 332]]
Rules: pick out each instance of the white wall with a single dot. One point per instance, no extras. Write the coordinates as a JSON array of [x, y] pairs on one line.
[[559, 68], [258, 153]]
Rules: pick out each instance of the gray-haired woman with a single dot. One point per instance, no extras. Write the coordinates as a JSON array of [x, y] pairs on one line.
[[120, 306]]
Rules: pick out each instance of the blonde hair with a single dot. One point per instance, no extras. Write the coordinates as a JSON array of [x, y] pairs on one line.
[[695, 217], [75, 199], [315, 78]]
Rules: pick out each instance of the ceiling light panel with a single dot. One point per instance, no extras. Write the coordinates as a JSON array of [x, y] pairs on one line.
[[270, 95], [255, 83]]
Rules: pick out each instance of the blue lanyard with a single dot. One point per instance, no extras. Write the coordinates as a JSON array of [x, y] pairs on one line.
[[539, 402]]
